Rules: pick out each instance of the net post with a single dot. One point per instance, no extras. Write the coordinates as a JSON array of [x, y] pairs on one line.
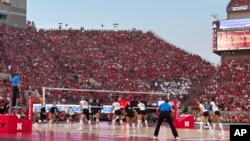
[[43, 94]]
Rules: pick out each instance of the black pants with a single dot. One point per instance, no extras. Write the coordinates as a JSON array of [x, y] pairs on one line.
[[43, 117], [165, 115], [15, 96]]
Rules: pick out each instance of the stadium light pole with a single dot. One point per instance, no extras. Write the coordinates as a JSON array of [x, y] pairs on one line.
[[60, 25], [115, 25]]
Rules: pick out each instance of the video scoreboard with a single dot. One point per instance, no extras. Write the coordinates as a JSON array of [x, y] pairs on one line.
[[231, 35]]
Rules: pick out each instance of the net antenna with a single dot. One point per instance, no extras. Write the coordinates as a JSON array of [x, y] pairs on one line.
[[101, 91]]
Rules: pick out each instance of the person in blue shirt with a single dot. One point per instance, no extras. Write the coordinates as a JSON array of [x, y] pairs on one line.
[[15, 82], [165, 110]]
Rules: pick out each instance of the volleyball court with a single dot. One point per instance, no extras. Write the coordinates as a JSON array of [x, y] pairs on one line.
[[58, 130]]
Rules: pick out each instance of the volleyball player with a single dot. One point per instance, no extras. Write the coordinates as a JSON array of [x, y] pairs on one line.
[[204, 113], [142, 114], [43, 114], [85, 113], [53, 113], [70, 117], [217, 116], [96, 110], [117, 113], [131, 114]]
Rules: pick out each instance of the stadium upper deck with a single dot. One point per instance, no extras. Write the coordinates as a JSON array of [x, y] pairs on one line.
[[236, 3], [115, 60]]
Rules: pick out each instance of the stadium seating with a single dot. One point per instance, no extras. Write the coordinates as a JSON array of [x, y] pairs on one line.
[[231, 87], [141, 56], [236, 3], [130, 60]]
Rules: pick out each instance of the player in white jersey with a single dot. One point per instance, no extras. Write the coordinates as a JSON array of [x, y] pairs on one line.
[[204, 113], [85, 113], [70, 116], [142, 114], [117, 113], [217, 116]]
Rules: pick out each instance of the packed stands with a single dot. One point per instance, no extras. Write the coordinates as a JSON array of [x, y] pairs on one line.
[[122, 60], [230, 86], [114, 60], [236, 3]]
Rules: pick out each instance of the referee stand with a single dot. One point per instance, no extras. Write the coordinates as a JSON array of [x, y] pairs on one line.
[[12, 123], [182, 121]]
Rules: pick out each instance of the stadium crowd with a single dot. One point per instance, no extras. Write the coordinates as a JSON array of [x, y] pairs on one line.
[[115, 60], [236, 3]]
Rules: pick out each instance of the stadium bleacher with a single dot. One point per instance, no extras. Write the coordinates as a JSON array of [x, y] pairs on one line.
[[236, 3], [120, 60]]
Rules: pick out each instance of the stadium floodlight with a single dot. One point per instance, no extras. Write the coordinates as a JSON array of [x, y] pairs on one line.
[[60, 25], [115, 25]]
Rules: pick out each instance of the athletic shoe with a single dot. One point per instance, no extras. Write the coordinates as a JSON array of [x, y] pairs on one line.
[[127, 131], [221, 134], [199, 130], [154, 137], [211, 132], [79, 129], [177, 138]]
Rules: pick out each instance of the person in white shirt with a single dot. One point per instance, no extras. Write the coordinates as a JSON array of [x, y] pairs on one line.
[[70, 116], [117, 113], [217, 116], [85, 113], [204, 113], [142, 114]]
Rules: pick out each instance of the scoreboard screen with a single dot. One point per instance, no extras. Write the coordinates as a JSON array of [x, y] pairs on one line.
[[231, 35]]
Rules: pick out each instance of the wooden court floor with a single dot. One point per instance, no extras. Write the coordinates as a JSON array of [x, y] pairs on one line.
[[58, 132]]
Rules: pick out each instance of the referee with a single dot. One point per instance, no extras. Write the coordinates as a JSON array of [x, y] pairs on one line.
[[165, 110], [15, 89]]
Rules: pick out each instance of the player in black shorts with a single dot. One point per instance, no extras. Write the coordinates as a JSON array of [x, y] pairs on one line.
[[131, 114], [142, 114], [204, 114], [43, 114], [84, 105], [96, 110], [117, 113], [53, 113], [217, 116], [70, 117]]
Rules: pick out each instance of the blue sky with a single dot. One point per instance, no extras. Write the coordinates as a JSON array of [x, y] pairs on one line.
[[186, 23]]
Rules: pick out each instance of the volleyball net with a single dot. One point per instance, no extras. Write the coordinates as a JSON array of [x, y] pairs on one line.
[[68, 97]]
